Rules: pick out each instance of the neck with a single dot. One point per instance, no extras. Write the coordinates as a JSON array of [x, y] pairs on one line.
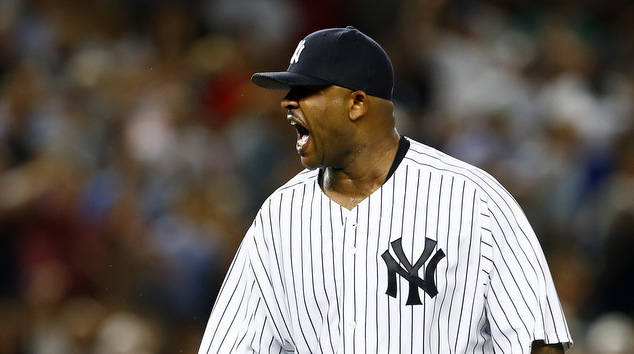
[[364, 175]]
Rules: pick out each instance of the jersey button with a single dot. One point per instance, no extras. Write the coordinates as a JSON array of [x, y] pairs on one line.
[[352, 324], [352, 250]]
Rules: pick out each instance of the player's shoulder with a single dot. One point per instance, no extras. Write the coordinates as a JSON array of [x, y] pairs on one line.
[[304, 181], [435, 161], [303, 178], [426, 155]]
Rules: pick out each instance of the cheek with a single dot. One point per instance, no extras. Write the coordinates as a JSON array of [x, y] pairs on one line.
[[335, 116], [328, 119]]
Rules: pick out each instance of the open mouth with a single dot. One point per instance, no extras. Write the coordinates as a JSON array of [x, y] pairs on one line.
[[302, 135]]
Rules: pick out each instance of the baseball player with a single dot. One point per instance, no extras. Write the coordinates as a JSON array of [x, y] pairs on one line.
[[382, 244]]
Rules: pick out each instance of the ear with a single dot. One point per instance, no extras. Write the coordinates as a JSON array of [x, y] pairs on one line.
[[359, 101]]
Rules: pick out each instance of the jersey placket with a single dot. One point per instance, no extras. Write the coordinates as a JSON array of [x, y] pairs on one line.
[[349, 320]]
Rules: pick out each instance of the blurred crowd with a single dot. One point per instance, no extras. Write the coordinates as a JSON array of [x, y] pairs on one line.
[[134, 151]]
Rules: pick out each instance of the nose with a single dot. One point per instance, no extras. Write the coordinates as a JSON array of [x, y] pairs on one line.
[[289, 102]]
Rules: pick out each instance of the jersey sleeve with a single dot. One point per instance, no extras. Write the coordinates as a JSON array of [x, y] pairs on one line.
[[522, 303], [241, 320]]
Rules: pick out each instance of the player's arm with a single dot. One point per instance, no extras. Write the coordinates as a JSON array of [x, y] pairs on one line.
[[245, 317], [522, 301], [539, 347], [228, 322]]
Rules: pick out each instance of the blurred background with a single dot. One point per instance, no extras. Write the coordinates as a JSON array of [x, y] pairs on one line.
[[135, 152]]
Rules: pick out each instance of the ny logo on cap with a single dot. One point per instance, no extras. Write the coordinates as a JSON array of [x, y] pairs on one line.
[[298, 51]]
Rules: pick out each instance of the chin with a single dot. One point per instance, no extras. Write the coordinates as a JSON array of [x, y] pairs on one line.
[[309, 164], [310, 167]]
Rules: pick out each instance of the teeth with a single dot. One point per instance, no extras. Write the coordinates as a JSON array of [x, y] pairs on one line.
[[302, 133], [302, 141]]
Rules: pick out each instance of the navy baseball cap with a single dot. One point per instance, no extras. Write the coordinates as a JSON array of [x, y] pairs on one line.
[[337, 56]]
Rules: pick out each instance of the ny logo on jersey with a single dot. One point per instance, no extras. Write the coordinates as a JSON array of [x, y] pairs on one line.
[[409, 272], [298, 51]]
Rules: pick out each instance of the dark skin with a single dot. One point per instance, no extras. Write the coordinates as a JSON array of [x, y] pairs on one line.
[[352, 137], [539, 347]]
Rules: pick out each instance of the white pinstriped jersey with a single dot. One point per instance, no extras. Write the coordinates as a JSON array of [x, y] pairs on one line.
[[440, 259]]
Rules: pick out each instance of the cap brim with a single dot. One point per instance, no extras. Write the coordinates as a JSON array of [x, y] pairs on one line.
[[284, 80]]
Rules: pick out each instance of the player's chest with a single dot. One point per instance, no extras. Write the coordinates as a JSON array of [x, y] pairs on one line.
[[385, 248]]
